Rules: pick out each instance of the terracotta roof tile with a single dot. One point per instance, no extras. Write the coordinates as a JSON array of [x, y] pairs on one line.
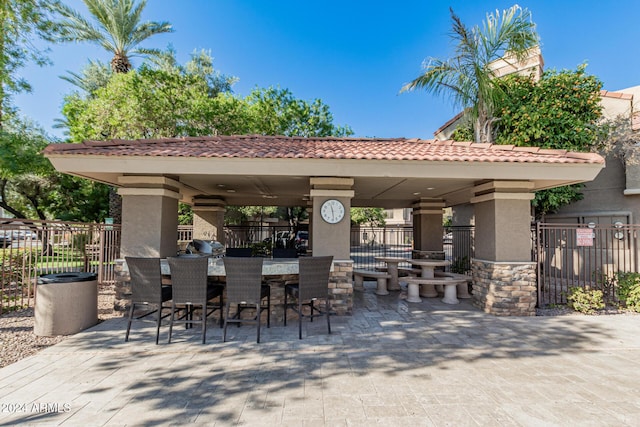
[[259, 146], [619, 95]]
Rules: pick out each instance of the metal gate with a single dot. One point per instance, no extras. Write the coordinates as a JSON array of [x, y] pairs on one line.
[[581, 255]]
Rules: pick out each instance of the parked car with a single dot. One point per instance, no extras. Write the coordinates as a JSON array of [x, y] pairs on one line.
[[282, 239], [5, 239], [301, 241]]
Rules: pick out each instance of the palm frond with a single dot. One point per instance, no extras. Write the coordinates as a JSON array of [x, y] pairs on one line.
[[117, 27]]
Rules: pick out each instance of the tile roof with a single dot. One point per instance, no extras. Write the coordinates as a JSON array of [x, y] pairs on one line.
[[611, 94], [260, 146]]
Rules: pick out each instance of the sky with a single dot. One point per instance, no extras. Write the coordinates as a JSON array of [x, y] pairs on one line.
[[353, 55]]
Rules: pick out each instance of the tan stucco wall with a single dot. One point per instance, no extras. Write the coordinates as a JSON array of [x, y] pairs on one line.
[[604, 196], [427, 232], [209, 225], [150, 226], [331, 239], [503, 230]]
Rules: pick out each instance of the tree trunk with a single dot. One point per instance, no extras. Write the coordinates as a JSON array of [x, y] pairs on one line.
[[120, 64], [115, 206]]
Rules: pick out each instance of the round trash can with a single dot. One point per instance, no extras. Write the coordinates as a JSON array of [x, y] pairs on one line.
[[66, 303]]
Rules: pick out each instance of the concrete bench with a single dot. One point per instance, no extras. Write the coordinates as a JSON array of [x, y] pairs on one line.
[[408, 271], [380, 276], [402, 271], [421, 286], [463, 288]]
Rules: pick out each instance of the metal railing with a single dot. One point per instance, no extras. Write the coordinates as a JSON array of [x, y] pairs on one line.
[[567, 255], [576, 255], [367, 243], [30, 248]]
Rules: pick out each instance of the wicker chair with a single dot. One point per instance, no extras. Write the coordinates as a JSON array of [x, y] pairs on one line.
[[244, 288], [191, 289], [147, 290], [313, 284]]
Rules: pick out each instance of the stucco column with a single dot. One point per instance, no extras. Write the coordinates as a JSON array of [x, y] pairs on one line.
[[331, 239], [427, 229], [149, 216], [334, 239], [208, 219], [504, 280], [309, 210]]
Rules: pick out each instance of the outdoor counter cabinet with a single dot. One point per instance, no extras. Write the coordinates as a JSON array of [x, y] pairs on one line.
[[270, 267]]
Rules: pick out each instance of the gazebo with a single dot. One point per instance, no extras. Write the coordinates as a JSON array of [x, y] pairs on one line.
[[212, 172]]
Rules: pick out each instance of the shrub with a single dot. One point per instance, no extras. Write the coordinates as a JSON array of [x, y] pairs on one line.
[[460, 265], [585, 300], [626, 283], [633, 299]]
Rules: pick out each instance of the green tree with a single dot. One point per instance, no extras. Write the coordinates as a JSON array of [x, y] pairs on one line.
[[22, 21], [560, 111], [116, 27], [23, 186], [276, 111], [31, 188], [468, 77], [373, 217], [369, 217], [94, 76], [154, 103]]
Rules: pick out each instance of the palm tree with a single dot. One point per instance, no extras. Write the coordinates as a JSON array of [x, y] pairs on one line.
[[468, 76], [116, 28]]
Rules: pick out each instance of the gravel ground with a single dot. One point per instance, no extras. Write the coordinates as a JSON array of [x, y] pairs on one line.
[[18, 341]]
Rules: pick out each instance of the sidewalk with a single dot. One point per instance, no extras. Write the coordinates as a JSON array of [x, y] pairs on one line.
[[391, 363]]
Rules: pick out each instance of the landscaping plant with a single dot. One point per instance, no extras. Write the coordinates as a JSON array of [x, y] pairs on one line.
[[585, 300]]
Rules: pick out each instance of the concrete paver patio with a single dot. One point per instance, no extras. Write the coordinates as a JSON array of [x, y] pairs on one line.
[[391, 363]]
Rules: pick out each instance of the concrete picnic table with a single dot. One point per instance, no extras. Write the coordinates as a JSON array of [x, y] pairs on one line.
[[428, 267], [392, 269]]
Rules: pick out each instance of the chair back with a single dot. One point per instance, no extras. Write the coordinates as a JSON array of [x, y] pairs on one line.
[[314, 277], [238, 252], [146, 279], [189, 279], [285, 253], [244, 279]]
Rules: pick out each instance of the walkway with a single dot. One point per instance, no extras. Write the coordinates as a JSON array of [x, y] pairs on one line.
[[392, 363]]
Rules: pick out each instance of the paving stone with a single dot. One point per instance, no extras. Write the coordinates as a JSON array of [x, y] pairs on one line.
[[391, 363]]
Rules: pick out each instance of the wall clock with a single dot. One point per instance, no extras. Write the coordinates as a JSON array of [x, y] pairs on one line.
[[332, 211]]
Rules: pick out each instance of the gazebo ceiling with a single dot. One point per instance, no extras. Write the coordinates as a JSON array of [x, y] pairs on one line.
[[270, 170]]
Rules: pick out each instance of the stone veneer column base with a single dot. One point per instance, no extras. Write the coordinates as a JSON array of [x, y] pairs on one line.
[[340, 289], [504, 288]]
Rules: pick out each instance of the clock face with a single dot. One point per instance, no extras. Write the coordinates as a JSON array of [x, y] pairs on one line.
[[332, 211]]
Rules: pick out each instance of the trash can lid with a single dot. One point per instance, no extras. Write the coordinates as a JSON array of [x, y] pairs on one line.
[[67, 277]]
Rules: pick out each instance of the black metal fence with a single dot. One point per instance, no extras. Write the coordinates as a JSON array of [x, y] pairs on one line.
[[567, 255], [576, 255], [367, 243]]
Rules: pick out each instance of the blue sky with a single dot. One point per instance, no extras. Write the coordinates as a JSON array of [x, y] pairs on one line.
[[354, 55]]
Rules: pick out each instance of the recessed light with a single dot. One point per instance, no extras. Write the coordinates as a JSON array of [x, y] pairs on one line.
[[231, 191]]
